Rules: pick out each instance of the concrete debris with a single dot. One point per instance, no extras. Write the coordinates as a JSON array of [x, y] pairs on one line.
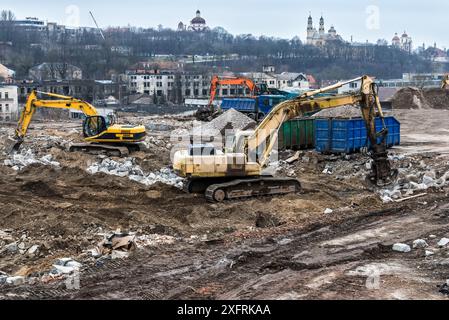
[[328, 169], [413, 178], [293, 158], [65, 266], [159, 127], [153, 240], [116, 254], [26, 157], [229, 120], [15, 281], [115, 241], [128, 168], [3, 278], [401, 247], [12, 247], [33, 250], [420, 243], [429, 253], [444, 288], [443, 242]]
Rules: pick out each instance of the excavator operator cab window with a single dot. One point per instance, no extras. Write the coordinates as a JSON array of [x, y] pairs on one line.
[[93, 126]]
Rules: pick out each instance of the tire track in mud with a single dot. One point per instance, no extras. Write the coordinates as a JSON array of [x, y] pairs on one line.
[[189, 271]]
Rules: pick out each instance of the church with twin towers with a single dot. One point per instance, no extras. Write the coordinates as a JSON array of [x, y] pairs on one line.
[[320, 37]]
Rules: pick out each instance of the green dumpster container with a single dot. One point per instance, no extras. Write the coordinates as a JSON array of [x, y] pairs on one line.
[[297, 134]]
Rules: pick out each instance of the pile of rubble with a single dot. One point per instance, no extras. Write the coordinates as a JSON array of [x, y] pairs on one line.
[[118, 245], [128, 168], [415, 175], [340, 112], [229, 120], [26, 157]]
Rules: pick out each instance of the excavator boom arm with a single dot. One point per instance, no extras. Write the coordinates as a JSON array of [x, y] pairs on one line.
[[216, 81], [261, 143], [64, 102]]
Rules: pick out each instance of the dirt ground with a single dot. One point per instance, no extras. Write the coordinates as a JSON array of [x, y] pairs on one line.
[[266, 248]]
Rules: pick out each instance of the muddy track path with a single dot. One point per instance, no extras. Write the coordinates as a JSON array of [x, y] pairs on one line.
[[315, 263]]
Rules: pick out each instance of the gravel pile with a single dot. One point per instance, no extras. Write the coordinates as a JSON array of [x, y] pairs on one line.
[[340, 112]]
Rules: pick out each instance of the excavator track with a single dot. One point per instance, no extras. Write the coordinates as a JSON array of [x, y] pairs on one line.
[[246, 188], [110, 150]]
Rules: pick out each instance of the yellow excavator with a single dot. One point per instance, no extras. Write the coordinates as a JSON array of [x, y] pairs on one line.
[[445, 82], [101, 134], [238, 171]]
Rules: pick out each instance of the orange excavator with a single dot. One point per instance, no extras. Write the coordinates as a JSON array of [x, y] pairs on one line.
[[206, 113]]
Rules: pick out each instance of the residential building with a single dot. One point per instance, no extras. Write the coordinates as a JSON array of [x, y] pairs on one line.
[[290, 80], [6, 74], [9, 106], [418, 80], [159, 84], [122, 50], [350, 87], [88, 90], [55, 71], [31, 24], [259, 78], [284, 80]]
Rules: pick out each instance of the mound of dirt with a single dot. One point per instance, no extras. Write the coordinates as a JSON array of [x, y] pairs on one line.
[[437, 98], [415, 98]]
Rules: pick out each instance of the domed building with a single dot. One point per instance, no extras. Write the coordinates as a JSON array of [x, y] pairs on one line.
[[320, 37], [404, 43], [198, 23]]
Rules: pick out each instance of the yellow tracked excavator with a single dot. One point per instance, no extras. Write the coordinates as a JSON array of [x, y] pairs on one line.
[[101, 134], [445, 82], [238, 173]]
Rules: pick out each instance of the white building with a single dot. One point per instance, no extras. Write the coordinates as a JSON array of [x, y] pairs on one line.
[[292, 80], [350, 87], [259, 78], [282, 81], [5, 73], [9, 106], [320, 37], [197, 24], [151, 84]]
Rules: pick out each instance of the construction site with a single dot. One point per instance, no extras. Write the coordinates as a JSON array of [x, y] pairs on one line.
[[93, 219]]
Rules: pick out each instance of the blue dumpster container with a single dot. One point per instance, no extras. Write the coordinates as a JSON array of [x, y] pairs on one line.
[[334, 135]]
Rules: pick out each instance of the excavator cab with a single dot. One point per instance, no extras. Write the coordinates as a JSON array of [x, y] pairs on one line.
[[93, 126]]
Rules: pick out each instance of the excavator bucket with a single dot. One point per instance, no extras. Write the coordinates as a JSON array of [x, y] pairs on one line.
[[381, 172], [13, 145]]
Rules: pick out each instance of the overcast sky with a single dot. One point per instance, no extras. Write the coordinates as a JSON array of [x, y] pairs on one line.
[[424, 20]]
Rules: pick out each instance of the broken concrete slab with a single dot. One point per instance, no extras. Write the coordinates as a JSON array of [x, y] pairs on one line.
[[401, 247], [420, 243], [443, 242], [17, 280]]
